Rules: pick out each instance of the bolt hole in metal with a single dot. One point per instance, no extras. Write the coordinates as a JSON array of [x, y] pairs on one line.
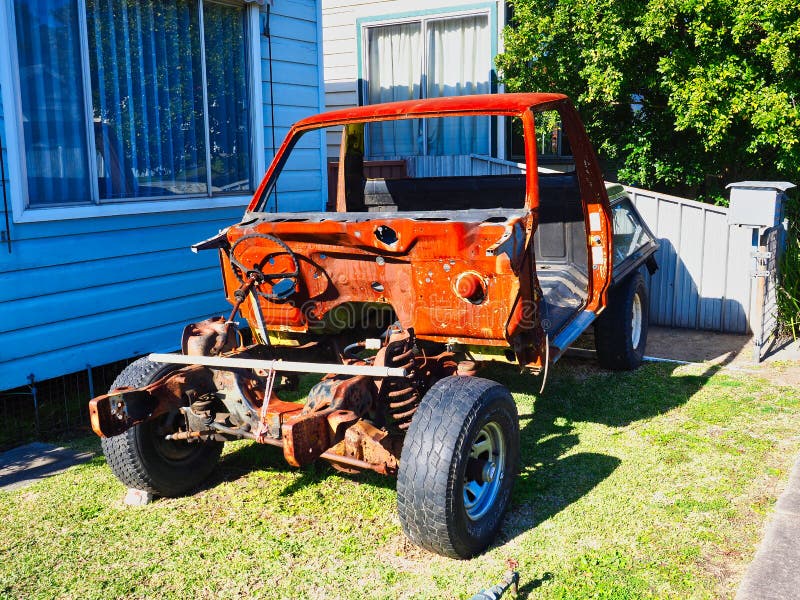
[[636, 321], [484, 473], [386, 235]]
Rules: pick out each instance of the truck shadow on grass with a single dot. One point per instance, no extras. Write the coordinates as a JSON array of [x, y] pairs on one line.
[[256, 457], [550, 478], [579, 392]]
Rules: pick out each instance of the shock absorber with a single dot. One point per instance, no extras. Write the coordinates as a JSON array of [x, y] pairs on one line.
[[402, 395]]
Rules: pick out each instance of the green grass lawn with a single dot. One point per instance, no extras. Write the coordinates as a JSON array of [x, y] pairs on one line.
[[655, 483]]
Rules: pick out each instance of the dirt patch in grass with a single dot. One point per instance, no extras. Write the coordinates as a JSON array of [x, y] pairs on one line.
[[733, 353]]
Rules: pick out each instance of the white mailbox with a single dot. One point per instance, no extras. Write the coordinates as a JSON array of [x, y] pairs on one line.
[[757, 203]]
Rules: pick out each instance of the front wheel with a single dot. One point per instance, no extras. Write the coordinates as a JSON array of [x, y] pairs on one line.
[[142, 459], [620, 332], [459, 462]]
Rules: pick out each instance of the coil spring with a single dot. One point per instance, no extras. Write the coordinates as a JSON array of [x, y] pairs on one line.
[[402, 393]]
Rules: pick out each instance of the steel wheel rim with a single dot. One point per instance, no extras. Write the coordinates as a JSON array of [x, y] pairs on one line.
[[488, 451], [169, 450], [636, 321]]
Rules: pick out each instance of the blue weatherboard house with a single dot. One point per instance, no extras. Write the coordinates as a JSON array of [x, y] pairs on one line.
[[131, 129]]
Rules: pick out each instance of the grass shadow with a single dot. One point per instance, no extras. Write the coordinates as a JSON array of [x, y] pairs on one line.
[[33, 462], [250, 457], [578, 390], [528, 587], [551, 479]]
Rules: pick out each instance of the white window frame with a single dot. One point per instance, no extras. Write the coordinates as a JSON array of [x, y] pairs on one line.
[[15, 149], [423, 20]]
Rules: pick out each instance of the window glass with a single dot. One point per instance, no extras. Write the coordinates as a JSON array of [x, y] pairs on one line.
[[550, 137], [165, 115], [515, 139], [147, 98], [458, 65], [428, 59], [228, 104], [51, 93], [551, 141], [395, 71], [629, 234]]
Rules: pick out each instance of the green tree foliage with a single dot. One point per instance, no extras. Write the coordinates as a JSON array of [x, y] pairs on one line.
[[680, 95], [789, 269]]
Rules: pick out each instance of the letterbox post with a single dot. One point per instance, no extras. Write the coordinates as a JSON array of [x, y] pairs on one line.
[[759, 205]]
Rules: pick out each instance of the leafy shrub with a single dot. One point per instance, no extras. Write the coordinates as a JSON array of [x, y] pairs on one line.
[[789, 285]]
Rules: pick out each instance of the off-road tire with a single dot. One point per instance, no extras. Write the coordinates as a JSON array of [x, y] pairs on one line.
[[135, 456], [617, 346], [433, 465]]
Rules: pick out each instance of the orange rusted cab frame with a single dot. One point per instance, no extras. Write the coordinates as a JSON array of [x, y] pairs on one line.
[[421, 271]]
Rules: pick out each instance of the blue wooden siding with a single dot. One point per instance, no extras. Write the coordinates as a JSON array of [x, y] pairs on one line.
[[295, 28], [91, 291], [4, 180]]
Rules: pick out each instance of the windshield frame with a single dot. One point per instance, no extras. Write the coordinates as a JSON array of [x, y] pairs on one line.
[[265, 189]]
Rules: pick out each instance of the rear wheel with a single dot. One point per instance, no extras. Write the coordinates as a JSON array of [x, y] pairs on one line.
[[142, 459], [620, 332], [458, 465]]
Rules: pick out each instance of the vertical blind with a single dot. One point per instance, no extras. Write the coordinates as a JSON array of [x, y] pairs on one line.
[[147, 97], [51, 89], [228, 105], [169, 108]]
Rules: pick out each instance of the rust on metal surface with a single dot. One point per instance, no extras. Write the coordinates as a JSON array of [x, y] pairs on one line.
[[278, 412], [354, 464], [465, 279], [363, 441], [340, 266], [361, 418], [122, 408], [512, 105], [329, 405], [458, 280], [208, 338], [305, 438]]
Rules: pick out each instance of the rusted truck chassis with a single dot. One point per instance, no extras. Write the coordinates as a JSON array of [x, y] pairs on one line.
[[395, 310]]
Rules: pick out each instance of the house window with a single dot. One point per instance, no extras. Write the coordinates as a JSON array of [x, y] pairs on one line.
[[428, 58], [126, 99]]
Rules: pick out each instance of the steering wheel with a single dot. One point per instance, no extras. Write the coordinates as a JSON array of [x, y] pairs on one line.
[[281, 289]]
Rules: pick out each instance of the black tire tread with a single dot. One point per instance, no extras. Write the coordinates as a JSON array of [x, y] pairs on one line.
[[612, 327], [124, 453], [440, 423]]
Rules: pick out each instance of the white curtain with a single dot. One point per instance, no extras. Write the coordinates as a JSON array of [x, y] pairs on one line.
[[394, 73], [459, 63]]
